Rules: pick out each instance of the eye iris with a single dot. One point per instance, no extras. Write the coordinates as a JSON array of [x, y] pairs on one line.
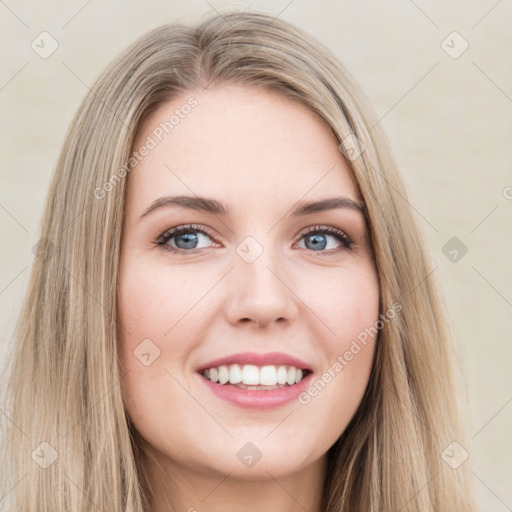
[[190, 240], [317, 241]]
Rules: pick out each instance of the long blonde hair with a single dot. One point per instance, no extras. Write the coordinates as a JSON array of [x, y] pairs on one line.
[[68, 444]]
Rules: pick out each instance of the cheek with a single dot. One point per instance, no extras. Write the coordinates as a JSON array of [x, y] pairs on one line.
[[160, 312], [347, 303], [357, 334], [351, 313], [152, 303], [153, 346], [333, 397], [148, 310]]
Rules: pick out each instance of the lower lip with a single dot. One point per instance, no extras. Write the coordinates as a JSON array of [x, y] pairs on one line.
[[257, 399]]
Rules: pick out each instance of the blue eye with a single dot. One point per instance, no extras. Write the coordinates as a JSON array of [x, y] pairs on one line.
[[186, 239], [319, 234]]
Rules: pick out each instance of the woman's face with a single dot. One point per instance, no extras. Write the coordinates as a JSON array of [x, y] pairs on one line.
[[247, 283]]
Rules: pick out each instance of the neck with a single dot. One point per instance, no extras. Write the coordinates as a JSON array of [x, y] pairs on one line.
[[184, 489]]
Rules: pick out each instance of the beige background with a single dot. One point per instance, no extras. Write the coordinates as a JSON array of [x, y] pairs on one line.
[[449, 120]]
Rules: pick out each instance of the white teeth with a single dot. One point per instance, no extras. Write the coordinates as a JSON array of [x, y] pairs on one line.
[[290, 379], [282, 375], [252, 375], [223, 374], [268, 376], [235, 374], [214, 374]]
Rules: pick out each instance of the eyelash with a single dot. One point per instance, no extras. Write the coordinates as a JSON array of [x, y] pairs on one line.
[[165, 237]]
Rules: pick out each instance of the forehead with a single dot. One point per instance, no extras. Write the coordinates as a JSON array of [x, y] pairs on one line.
[[242, 144]]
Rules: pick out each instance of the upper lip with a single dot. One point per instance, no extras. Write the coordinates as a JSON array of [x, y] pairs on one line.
[[269, 358]]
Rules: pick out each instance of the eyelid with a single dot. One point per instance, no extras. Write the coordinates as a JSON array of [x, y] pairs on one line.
[[344, 239], [337, 233], [169, 233]]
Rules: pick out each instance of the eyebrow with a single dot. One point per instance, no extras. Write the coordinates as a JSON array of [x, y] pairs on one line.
[[207, 205]]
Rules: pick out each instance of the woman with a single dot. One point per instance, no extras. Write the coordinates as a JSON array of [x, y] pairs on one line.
[[232, 306]]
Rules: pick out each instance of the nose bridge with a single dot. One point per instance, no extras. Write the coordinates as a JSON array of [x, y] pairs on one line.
[[260, 292], [256, 264]]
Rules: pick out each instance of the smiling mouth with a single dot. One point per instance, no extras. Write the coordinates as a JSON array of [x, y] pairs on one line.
[[255, 378]]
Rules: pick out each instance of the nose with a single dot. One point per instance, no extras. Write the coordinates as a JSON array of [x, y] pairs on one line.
[[261, 292]]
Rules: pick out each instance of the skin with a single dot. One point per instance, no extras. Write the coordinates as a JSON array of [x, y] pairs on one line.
[[259, 153]]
